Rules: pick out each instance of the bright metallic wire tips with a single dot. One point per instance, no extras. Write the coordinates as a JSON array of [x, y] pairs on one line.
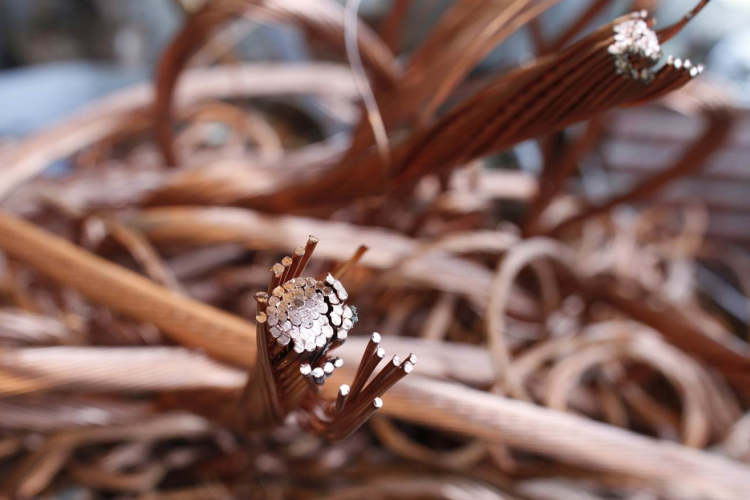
[[299, 321]]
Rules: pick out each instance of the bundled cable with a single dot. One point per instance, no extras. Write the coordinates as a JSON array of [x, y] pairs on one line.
[[299, 320], [616, 65]]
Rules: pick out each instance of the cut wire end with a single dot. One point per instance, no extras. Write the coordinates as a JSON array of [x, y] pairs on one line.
[[299, 321]]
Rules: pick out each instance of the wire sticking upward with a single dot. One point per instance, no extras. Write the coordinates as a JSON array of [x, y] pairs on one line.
[[665, 34]]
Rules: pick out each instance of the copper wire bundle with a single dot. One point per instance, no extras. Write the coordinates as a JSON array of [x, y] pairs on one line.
[[609, 68], [299, 320]]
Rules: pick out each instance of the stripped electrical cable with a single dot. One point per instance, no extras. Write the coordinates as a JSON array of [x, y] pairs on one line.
[[299, 320]]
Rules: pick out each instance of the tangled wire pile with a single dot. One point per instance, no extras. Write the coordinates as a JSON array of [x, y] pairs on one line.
[[567, 349]]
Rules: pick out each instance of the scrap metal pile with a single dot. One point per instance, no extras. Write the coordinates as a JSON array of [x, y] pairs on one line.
[[567, 348]]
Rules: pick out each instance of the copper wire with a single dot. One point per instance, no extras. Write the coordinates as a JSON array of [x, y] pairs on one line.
[[294, 269], [370, 359], [291, 368], [286, 262], [344, 268], [312, 242]]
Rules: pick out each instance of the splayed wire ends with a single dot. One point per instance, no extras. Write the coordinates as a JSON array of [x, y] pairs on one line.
[[300, 320]]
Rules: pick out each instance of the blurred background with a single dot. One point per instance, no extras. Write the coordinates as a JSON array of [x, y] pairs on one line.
[[577, 295]]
